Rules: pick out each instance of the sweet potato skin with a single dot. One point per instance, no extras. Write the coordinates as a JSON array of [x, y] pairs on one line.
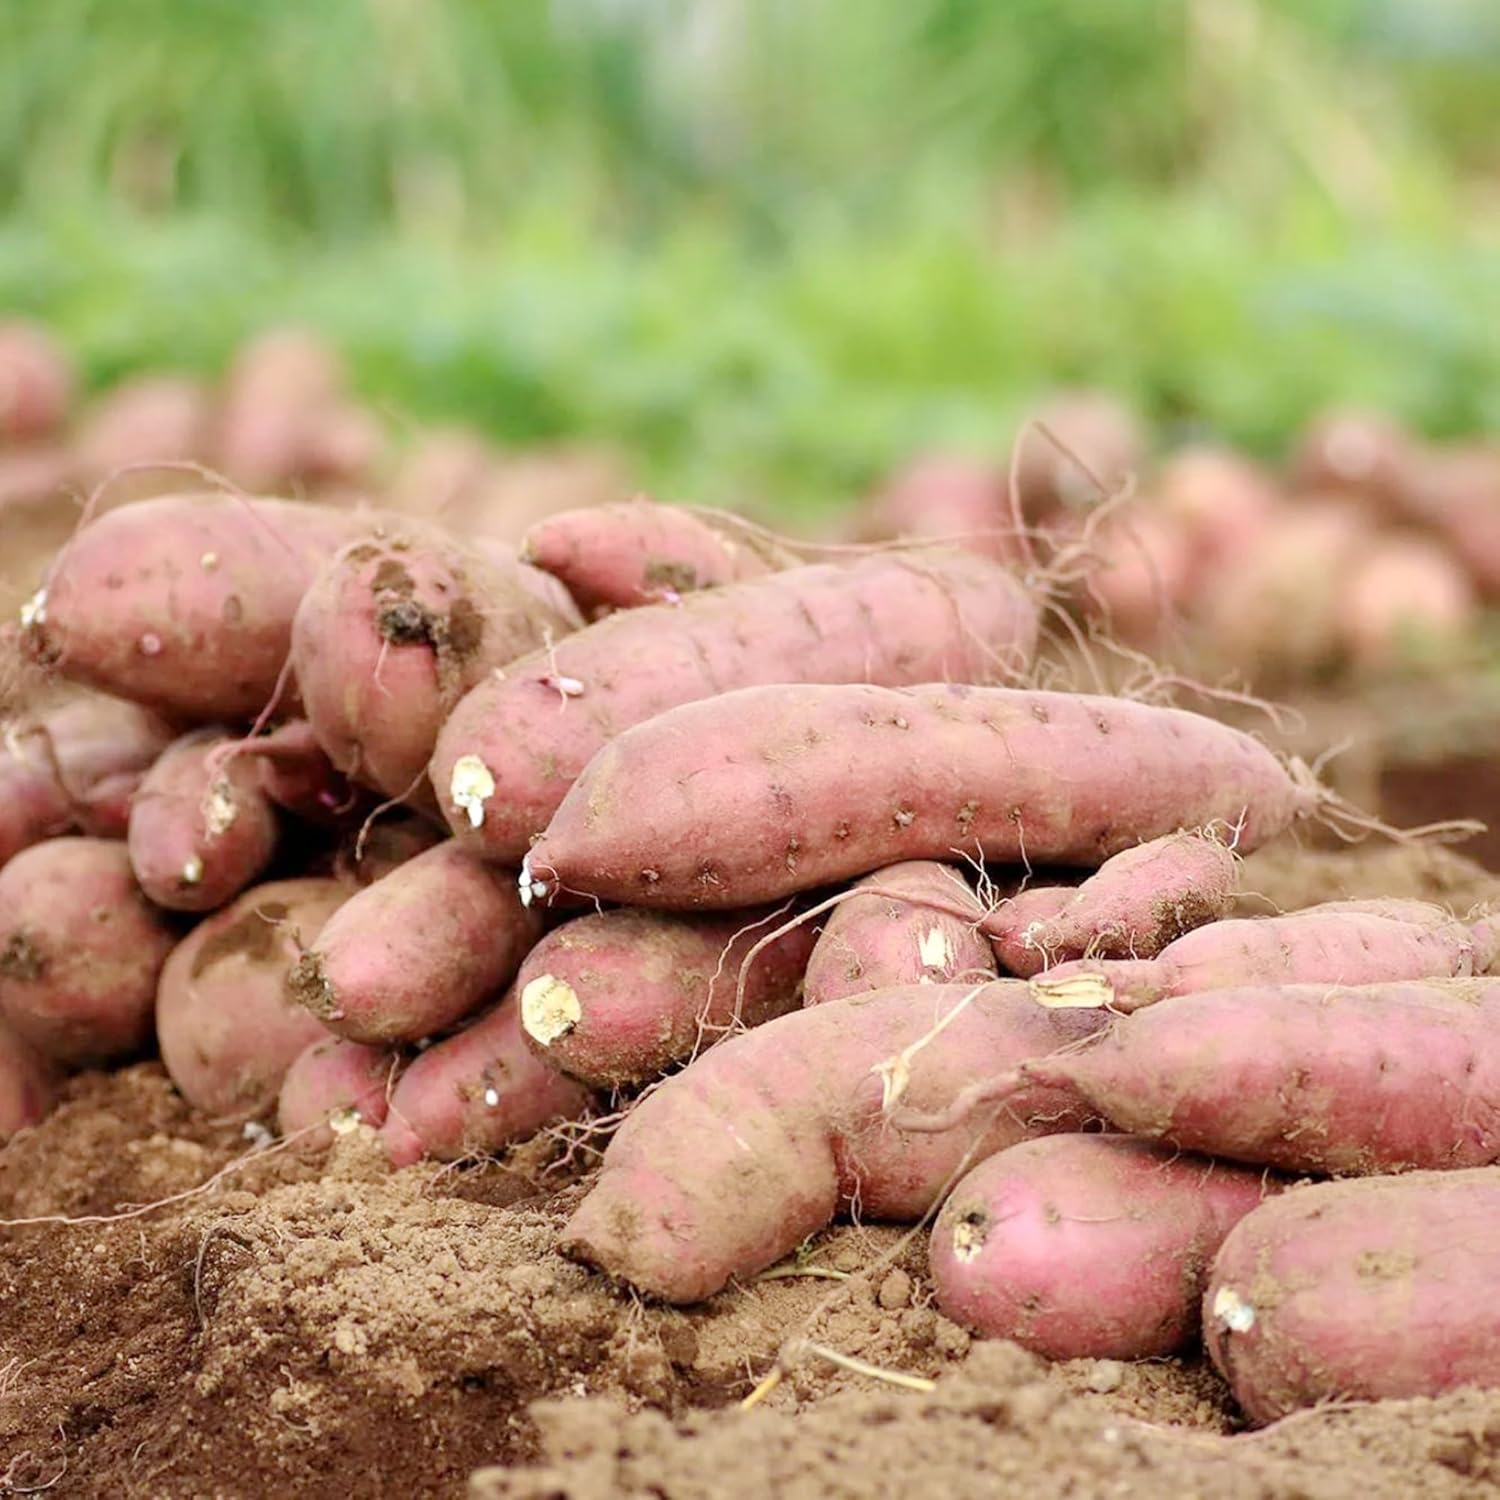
[[394, 630], [1136, 904], [783, 1125], [201, 828], [616, 997], [417, 950], [476, 1092], [908, 930], [32, 805], [512, 747], [80, 950], [1359, 1290], [1307, 1078], [1345, 942], [226, 1029], [1086, 1246], [183, 604], [331, 1076], [825, 782], [28, 1084]]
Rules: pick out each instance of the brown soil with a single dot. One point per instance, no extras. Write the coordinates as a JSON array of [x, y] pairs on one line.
[[313, 1325]]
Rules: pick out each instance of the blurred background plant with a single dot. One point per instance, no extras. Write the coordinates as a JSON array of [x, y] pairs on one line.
[[768, 247]]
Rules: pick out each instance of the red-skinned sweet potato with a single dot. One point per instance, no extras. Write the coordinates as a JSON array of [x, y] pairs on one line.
[[823, 783], [1095, 427], [1342, 942], [947, 497], [1359, 452], [183, 604], [1086, 1246], [617, 997], [151, 419], [201, 827], [394, 631], [1223, 503], [417, 950], [477, 1092], [1139, 574], [80, 950], [227, 1031], [1455, 492], [334, 1078], [1134, 905], [921, 923], [731, 1164], [513, 746], [36, 383], [1404, 601], [28, 1084], [1359, 1291]]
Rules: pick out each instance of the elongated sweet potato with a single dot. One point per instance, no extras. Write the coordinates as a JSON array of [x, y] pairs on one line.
[[333, 1078], [183, 603], [201, 828], [477, 1092], [1086, 1246], [1344, 942], [1359, 1291], [1137, 903], [910, 929], [80, 950], [28, 1084], [417, 950], [731, 1164], [394, 631], [1309, 1078], [638, 552], [511, 749], [617, 997], [227, 1030], [821, 783]]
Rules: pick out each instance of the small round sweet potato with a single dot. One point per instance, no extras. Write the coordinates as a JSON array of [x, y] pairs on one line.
[[80, 950], [1362, 453], [332, 1078], [227, 1031], [1096, 427], [1405, 600], [1086, 1246]]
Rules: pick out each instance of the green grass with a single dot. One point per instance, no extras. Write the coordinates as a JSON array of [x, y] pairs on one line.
[[770, 266]]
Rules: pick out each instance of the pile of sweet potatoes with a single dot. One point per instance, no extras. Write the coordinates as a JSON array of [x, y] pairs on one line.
[[782, 876]]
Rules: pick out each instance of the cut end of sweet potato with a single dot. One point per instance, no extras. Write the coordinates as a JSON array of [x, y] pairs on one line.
[[309, 986], [1073, 992], [1230, 1312], [550, 1009]]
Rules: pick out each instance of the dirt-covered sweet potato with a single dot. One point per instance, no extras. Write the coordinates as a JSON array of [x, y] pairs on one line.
[[333, 1078], [28, 1084], [1359, 1291], [227, 1030], [417, 950], [80, 950], [1086, 1246], [513, 746], [732, 1163], [617, 997], [184, 603], [477, 1092], [1133, 906], [820, 783], [394, 630], [920, 923], [201, 827]]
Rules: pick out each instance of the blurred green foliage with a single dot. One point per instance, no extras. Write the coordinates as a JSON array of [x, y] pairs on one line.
[[769, 246]]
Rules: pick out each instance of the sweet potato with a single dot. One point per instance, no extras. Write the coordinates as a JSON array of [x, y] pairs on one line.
[[183, 604], [227, 1030], [296, 774], [920, 924], [823, 783], [1341, 942], [332, 1078], [1086, 1246], [1134, 905], [1139, 574], [146, 420], [1306, 1077], [477, 1092], [1359, 452], [1456, 493], [80, 950], [393, 632], [638, 552], [1359, 1291], [949, 497], [1403, 601], [32, 805], [1223, 503], [36, 383], [201, 828], [1096, 427], [445, 470], [731, 1164], [514, 745], [617, 997], [28, 1084], [417, 950]]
